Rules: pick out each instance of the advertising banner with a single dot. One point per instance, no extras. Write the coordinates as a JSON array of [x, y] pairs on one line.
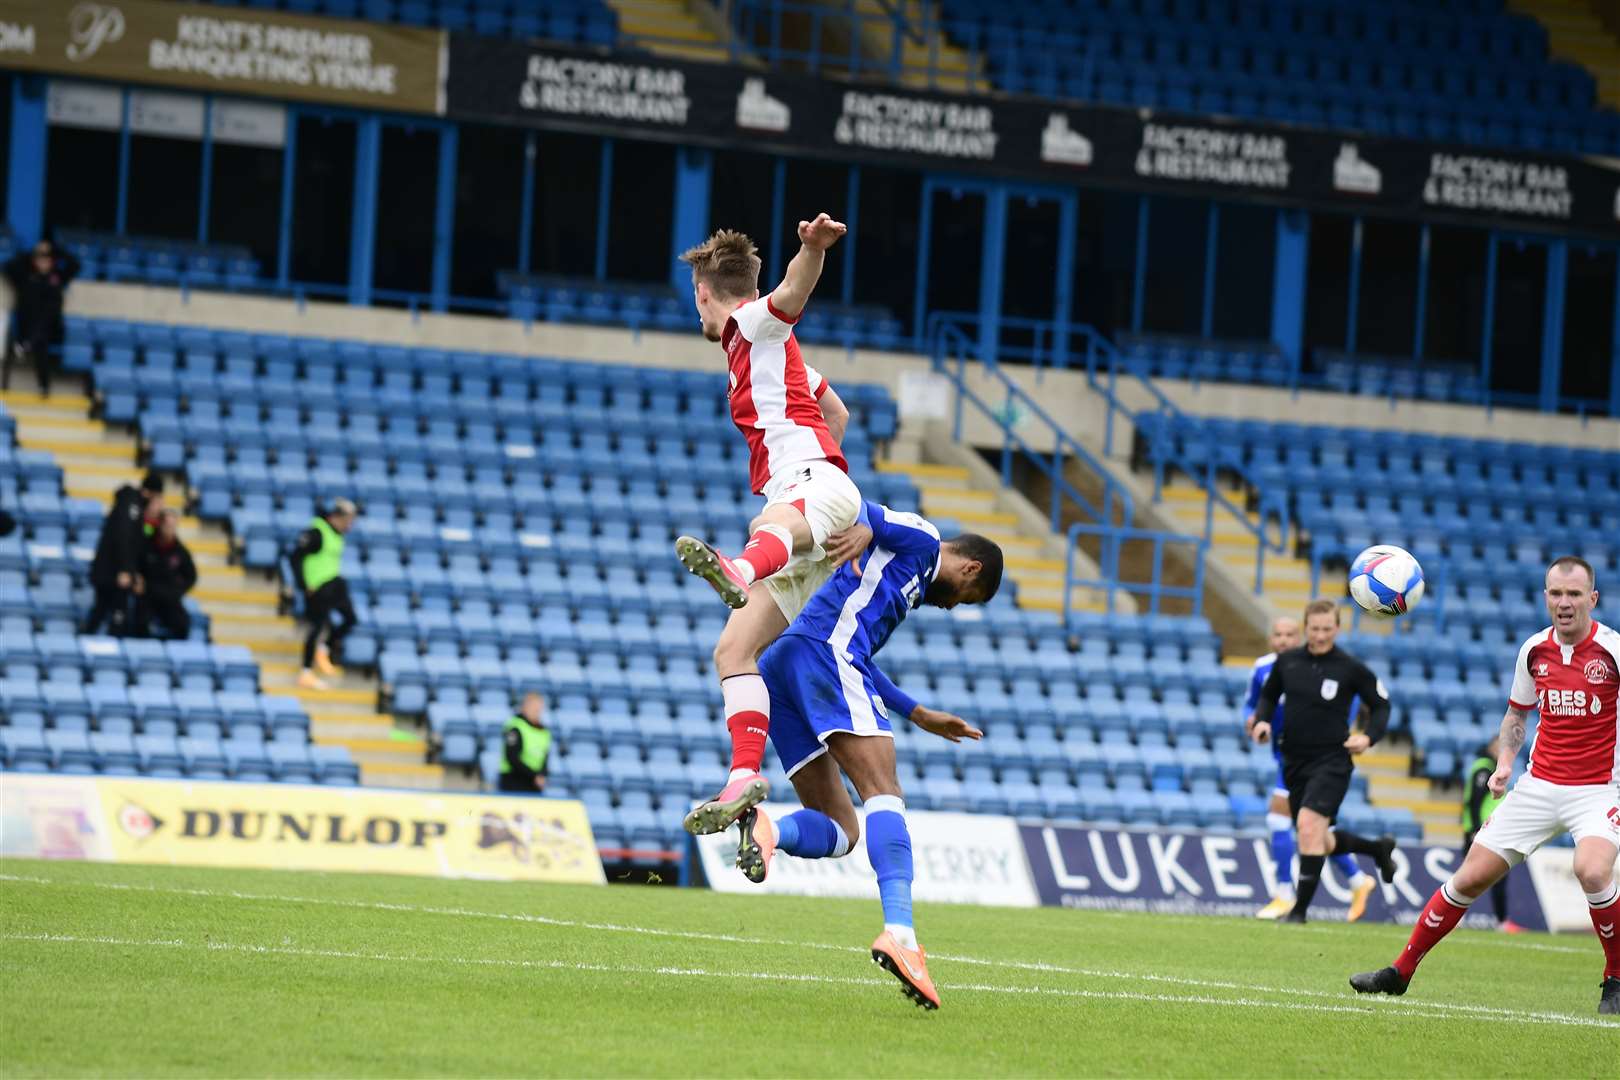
[[1562, 898], [959, 858], [229, 50], [297, 827], [1045, 142], [1191, 873]]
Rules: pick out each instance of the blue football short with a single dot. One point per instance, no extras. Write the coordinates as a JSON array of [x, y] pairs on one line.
[[814, 693]]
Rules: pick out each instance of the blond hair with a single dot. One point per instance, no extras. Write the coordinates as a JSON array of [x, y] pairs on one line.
[[727, 262], [1322, 607]]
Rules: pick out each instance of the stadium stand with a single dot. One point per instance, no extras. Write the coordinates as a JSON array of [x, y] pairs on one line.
[[1466, 507], [90, 704], [1463, 71], [475, 581]]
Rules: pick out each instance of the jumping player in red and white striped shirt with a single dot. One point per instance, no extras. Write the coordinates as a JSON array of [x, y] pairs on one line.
[[1570, 672], [793, 422]]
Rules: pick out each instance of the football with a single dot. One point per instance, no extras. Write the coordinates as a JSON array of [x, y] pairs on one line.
[[1386, 581]]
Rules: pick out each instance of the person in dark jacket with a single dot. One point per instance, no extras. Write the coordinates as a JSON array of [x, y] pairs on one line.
[[1478, 805], [118, 554], [167, 574], [317, 565], [38, 280], [528, 746]]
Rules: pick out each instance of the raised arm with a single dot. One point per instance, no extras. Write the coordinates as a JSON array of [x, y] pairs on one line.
[[1508, 742], [804, 270]]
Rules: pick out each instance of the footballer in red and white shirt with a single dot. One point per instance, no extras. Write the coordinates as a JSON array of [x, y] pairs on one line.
[[793, 422], [1570, 673]]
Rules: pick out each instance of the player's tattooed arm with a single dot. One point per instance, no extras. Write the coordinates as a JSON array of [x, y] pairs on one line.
[[1508, 742]]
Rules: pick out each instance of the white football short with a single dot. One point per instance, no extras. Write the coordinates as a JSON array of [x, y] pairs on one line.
[[1535, 811], [830, 503]]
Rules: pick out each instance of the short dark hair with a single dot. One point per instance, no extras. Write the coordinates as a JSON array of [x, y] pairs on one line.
[[987, 553], [153, 483], [1569, 562]]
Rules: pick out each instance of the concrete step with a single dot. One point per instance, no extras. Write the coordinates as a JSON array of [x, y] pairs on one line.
[[1027, 562], [24, 404], [944, 500], [981, 519], [1015, 543], [389, 751], [242, 591], [1040, 601], [400, 774], [335, 695], [935, 476]]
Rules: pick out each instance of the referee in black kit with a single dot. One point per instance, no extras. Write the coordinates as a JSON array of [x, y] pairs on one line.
[[1316, 684]]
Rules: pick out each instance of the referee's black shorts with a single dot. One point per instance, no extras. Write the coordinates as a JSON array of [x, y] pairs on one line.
[[1318, 783]]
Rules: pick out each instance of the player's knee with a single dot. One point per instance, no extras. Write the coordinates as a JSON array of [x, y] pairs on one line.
[[732, 655], [1593, 872]]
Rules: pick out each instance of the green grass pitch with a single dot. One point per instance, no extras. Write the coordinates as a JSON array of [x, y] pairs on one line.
[[154, 971]]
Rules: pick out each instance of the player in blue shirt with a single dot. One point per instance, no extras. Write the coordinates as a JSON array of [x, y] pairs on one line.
[[1285, 636], [831, 707]]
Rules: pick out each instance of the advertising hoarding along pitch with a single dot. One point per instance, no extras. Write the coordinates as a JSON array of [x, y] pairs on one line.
[[296, 827], [958, 858], [653, 96], [232, 50], [1192, 873]]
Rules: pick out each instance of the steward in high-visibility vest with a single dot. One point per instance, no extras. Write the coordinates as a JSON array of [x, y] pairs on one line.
[[317, 563], [1478, 806], [528, 746]]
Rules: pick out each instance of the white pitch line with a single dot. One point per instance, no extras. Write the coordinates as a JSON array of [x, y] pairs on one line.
[[1481, 1011], [1366, 1008]]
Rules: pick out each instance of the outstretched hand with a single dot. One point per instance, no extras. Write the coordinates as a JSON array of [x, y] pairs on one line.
[[945, 725], [822, 233], [847, 546]]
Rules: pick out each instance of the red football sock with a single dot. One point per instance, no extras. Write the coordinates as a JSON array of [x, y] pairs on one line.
[[767, 552], [1606, 921], [1439, 918], [748, 717]]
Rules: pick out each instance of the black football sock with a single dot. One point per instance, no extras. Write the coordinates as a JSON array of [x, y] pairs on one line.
[[1310, 876], [1348, 843]]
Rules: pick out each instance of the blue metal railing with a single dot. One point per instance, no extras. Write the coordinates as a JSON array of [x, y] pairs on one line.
[[954, 346], [1104, 367], [1155, 589]]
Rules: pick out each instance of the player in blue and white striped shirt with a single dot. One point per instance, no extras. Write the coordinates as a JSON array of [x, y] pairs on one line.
[[830, 709]]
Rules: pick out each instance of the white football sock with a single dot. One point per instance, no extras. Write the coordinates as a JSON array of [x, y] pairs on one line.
[[906, 936]]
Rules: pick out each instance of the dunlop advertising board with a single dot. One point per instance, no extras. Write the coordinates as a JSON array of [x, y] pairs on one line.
[[229, 50], [296, 827]]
